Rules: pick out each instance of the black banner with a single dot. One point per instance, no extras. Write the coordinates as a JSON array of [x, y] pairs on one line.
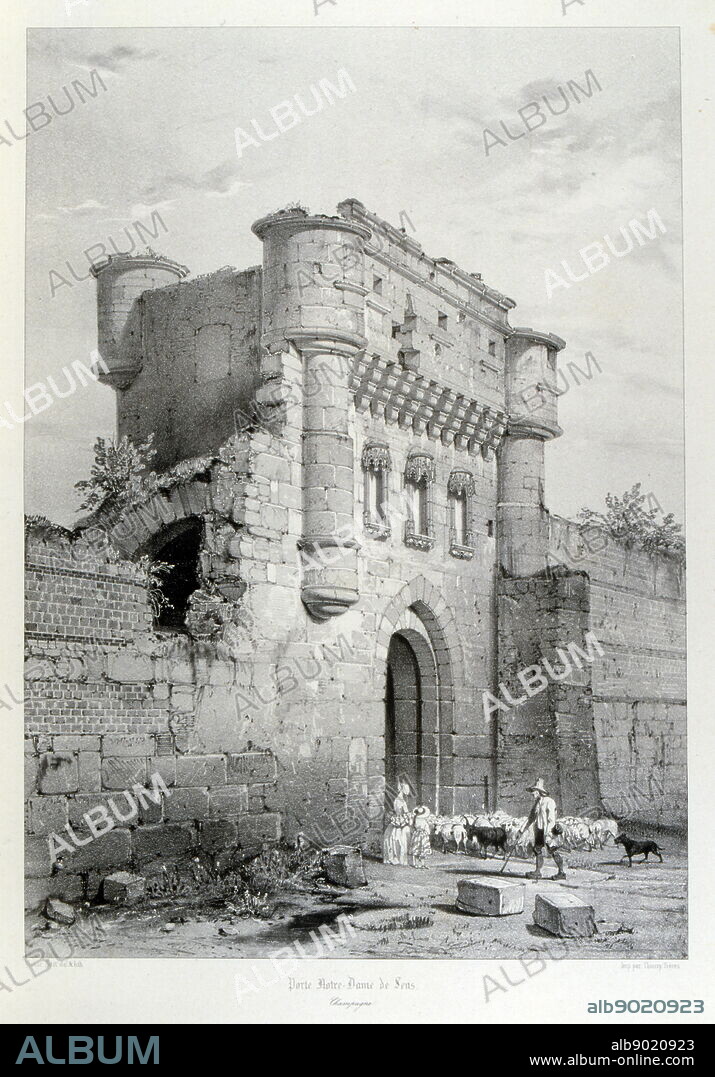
[[537, 1047]]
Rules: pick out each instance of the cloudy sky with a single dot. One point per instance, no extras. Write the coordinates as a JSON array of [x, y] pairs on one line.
[[411, 138]]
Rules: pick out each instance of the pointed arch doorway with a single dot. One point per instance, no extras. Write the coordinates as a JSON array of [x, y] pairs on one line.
[[412, 718]]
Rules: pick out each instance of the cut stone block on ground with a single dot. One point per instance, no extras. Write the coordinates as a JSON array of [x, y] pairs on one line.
[[564, 915], [344, 867], [123, 888], [490, 897]]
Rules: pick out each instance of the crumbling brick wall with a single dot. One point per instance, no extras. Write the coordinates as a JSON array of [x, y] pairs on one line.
[[110, 702]]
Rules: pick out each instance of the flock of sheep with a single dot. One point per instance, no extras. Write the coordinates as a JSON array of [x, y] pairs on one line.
[[453, 833]]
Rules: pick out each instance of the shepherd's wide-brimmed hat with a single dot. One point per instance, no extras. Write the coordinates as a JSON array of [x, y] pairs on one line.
[[422, 810], [537, 788]]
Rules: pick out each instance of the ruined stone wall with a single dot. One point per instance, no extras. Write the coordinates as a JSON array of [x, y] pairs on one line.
[[612, 733], [317, 690], [421, 319], [262, 719], [445, 326], [637, 611], [547, 731], [259, 719], [198, 344], [109, 702]]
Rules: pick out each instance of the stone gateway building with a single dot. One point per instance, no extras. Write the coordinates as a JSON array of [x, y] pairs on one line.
[[362, 580]]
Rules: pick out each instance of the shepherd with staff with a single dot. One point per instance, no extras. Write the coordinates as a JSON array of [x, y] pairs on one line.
[[547, 832]]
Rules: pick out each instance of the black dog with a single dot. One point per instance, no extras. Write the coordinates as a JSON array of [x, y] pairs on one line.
[[633, 848]]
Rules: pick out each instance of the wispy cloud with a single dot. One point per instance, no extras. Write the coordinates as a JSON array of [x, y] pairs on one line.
[[84, 209], [141, 210], [221, 180], [119, 57]]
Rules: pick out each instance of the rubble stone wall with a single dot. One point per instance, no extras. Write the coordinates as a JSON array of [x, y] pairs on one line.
[[612, 733], [637, 611]]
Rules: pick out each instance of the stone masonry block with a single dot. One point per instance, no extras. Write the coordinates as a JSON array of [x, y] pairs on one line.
[[272, 467], [79, 806], [201, 770], [254, 829], [564, 915], [110, 850], [37, 858], [75, 742], [90, 776], [217, 835], [490, 897], [128, 744], [31, 772], [46, 815], [344, 867], [66, 887], [123, 773], [228, 803], [162, 841], [129, 668], [182, 699], [123, 888], [165, 766], [275, 517], [187, 805], [357, 757], [250, 767], [59, 772], [151, 809]]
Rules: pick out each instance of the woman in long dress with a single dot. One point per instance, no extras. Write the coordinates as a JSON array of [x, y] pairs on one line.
[[420, 846], [396, 838]]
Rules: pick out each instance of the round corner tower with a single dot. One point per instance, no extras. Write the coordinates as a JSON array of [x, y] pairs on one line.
[[313, 292], [121, 279], [531, 403]]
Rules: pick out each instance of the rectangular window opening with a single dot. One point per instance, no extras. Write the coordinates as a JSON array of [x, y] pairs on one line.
[[421, 515]]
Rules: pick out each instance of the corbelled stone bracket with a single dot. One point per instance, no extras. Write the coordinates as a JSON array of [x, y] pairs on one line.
[[401, 396]]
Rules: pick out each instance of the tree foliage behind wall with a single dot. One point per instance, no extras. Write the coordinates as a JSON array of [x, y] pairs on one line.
[[120, 474], [633, 521]]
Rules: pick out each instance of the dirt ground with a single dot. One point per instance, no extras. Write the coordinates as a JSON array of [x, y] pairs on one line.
[[405, 913]]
